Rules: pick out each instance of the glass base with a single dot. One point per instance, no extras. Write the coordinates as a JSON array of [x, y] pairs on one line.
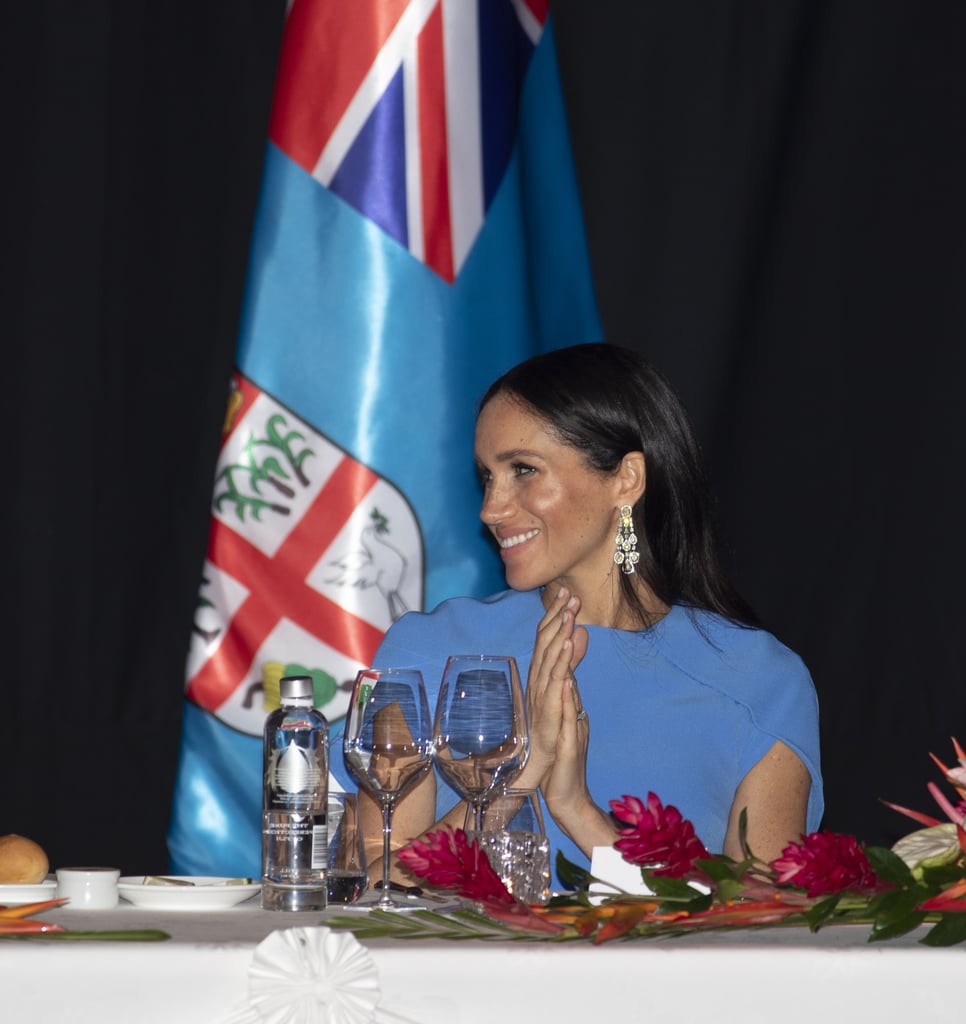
[[293, 897]]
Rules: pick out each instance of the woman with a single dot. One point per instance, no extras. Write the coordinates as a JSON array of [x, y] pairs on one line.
[[645, 672]]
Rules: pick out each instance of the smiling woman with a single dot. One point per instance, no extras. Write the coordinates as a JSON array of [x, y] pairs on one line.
[[594, 492], [550, 512]]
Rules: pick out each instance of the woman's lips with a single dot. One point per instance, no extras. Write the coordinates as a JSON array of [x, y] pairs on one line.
[[508, 544]]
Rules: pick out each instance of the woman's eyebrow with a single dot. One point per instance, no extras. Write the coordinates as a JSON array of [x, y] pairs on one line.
[[516, 453]]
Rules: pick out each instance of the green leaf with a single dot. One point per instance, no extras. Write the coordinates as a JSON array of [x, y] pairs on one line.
[[895, 913], [940, 876], [569, 899], [947, 931], [888, 866], [675, 889], [428, 924], [898, 925], [128, 935], [895, 902], [743, 833], [570, 875], [729, 889], [717, 869], [822, 911]]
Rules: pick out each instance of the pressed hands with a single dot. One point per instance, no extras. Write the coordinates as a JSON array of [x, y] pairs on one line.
[[559, 733]]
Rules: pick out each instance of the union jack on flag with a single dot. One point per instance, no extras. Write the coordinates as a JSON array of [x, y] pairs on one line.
[[415, 125]]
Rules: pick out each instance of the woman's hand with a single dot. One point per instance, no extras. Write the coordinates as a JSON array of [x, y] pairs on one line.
[[560, 644], [565, 787]]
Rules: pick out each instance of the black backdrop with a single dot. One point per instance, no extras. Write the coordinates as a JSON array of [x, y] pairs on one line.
[[775, 205]]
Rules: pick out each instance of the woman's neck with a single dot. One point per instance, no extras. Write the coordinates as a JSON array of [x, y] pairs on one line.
[[607, 606]]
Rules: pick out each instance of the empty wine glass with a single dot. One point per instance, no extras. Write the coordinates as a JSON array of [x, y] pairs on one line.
[[388, 744], [481, 726]]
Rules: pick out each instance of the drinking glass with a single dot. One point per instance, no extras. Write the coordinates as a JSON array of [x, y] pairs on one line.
[[481, 726], [515, 842], [348, 875], [388, 744]]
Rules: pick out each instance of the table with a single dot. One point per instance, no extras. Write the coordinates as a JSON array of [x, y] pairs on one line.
[[201, 975]]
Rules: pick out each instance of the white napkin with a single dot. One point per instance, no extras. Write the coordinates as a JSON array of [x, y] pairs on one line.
[[615, 874]]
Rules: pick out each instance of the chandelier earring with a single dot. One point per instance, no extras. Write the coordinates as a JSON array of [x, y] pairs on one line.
[[626, 556]]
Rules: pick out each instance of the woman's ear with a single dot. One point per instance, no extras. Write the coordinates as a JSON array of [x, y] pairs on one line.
[[632, 478]]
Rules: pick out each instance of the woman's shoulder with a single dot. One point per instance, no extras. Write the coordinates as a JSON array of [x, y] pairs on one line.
[[725, 654]]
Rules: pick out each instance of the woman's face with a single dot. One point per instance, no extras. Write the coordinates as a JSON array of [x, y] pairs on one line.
[[553, 516]]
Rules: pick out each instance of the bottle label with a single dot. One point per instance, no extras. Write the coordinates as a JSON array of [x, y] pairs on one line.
[[294, 847], [320, 847], [295, 770]]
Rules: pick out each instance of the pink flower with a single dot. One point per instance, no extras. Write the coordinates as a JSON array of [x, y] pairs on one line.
[[447, 861], [656, 835], [824, 863]]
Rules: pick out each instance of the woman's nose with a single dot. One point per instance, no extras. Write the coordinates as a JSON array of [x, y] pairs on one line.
[[495, 504]]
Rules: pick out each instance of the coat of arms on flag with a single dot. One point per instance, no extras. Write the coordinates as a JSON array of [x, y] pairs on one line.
[[311, 557]]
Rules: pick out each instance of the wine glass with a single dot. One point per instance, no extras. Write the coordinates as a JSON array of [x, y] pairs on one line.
[[481, 726], [388, 744]]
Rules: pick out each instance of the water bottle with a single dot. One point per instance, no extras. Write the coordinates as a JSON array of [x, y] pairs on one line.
[[294, 801]]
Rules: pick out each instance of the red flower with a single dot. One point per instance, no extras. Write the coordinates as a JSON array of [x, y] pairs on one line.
[[826, 862], [447, 861], [656, 834]]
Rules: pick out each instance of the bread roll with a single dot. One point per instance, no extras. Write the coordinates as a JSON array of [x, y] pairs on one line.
[[22, 861]]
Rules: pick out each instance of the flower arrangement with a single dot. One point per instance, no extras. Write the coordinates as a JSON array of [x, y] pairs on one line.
[[824, 878]]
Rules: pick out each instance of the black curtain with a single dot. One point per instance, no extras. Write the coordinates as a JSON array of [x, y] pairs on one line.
[[135, 135], [774, 202], [774, 196]]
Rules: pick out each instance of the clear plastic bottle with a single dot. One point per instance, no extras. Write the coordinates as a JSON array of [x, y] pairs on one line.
[[294, 801]]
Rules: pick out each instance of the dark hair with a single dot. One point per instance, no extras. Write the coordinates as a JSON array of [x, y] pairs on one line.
[[607, 401]]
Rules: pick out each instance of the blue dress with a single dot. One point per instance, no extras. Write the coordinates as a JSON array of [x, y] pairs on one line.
[[684, 709]]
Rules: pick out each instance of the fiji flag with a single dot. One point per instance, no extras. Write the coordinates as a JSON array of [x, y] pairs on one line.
[[418, 233]]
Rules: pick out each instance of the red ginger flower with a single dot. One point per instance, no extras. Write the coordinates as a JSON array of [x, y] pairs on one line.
[[656, 835], [824, 863], [448, 861]]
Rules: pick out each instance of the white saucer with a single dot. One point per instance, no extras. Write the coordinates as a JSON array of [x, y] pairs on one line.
[[205, 893], [11, 895]]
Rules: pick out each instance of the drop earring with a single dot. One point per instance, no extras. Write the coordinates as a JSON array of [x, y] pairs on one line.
[[626, 555]]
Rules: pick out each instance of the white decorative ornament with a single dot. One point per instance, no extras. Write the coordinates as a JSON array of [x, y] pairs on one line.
[[310, 976]]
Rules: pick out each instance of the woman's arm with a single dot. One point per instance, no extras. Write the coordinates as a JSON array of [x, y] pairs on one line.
[[415, 814], [774, 795]]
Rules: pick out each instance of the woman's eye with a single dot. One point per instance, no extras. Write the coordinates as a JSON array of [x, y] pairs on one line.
[[522, 469]]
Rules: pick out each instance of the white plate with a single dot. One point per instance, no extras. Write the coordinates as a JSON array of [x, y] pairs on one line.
[[13, 894], [206, 893]]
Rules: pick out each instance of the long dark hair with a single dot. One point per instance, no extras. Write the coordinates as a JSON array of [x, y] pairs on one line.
[[607, 401]]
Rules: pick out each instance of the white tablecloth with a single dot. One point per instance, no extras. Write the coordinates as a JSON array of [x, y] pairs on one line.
[[202, 973]]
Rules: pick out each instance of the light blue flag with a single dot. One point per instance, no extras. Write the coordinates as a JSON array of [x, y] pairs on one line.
[[419, 232]]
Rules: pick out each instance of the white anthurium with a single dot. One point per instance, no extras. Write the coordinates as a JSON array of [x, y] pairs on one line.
[[929, 847]]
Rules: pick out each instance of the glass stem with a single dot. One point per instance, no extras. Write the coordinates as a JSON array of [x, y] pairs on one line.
[[387, 809]]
